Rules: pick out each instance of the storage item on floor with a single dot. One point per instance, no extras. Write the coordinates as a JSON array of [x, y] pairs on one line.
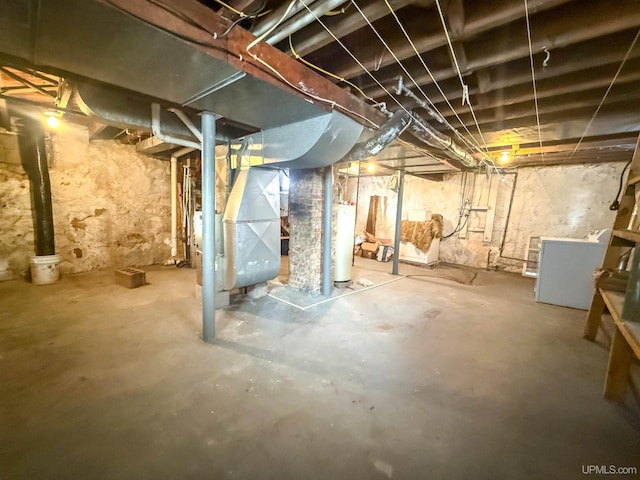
[[410, 253], [44, 269], [566, 267], [131, 277]]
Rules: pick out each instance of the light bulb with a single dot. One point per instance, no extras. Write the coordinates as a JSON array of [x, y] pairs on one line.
[[53, 121], [371, 168]]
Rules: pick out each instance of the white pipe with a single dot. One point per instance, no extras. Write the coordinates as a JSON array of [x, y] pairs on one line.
[[174, 198], [155, 128], [187, 121]]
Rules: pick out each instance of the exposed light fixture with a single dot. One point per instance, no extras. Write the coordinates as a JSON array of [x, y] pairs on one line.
[[505, 157], [52, 119], [371, 168]]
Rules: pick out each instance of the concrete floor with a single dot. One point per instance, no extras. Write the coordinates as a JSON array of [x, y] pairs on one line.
[[419, 378]]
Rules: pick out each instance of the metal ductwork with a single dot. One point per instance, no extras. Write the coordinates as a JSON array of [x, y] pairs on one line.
[[429, 135], [251, 226], [302, 19], [402, 121], [122, 109], [317, 142], [391, 130]]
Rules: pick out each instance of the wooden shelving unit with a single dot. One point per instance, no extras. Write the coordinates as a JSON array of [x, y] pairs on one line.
[[632, 236], [626, 338], [625, 343]]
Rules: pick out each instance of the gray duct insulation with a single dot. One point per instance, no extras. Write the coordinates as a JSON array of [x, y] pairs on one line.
[[391, 130], [33, 156], [399, 122], [432, 137]]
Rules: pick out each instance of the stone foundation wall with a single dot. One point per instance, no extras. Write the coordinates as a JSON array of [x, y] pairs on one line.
[[562, 201], [111, 207]]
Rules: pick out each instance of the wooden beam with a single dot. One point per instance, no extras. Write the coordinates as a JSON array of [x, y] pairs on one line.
[[620, 357]]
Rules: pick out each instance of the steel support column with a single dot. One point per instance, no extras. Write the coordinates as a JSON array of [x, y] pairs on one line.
[[396, 238], [208, 226]]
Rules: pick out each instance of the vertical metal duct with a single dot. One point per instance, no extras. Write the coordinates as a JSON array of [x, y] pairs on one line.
[[33, 156], [252, 228]]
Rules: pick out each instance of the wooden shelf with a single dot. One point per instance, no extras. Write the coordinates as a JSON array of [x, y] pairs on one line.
[[634, 180], [630, 330], [629, 235]]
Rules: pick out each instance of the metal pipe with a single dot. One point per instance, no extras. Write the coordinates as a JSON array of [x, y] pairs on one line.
[[33, 156], [353, 258], [396, 237], [174, 207], [327, 232], [188, 123], [208, 226], [174, 199], [276, 16], [303, 19], [155, 128]]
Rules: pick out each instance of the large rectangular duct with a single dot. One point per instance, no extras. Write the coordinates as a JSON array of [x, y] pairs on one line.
[[312, 143], [251, 225]]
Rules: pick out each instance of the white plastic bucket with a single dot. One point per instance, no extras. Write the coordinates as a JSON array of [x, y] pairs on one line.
[[44, 269]]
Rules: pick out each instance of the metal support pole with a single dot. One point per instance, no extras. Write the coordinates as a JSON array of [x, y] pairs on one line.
[[396, 239], [327, 232], [208, 226]]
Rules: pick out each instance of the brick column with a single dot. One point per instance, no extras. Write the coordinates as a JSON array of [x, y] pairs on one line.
[[305, 235]]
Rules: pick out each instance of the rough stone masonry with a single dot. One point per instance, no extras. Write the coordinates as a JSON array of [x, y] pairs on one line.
[[305, 240]]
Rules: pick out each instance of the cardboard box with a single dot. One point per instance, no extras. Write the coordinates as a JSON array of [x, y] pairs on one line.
[[369, 246]]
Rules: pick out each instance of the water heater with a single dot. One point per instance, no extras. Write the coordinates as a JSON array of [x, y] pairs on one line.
[[345, 232]]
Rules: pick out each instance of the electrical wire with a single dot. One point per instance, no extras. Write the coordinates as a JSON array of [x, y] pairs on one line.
[[455, 61], [340, 11], [533, 76], [326, 72], [344, 47], [613, 80], [458, 227], [615, 205], [255, 14], [489, 161], [284, 79], [269, 69], [366, 19], [229, 7]]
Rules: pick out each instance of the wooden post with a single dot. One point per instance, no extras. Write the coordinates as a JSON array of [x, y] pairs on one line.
[[594, 317], [618, 369]]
